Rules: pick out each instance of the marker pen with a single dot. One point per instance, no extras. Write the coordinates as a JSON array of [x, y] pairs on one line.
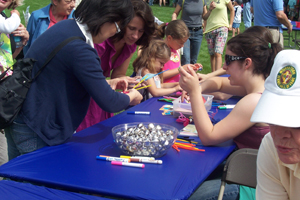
[[226, 107], [145, 161], [141, 157], [128, 164], [144, 157], [113, 159], [139, 112]]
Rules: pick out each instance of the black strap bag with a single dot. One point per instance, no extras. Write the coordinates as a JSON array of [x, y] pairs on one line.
[[14, 88]]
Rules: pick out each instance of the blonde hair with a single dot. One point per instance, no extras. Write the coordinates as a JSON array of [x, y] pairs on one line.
[[157, 49], [15, 3]]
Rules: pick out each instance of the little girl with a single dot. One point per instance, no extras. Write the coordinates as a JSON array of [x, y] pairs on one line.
[[151, 61], [175, 34]]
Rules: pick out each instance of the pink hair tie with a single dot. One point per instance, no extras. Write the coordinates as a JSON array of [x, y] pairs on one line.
[[167, 23]]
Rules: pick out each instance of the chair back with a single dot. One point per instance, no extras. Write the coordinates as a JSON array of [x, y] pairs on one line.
[[240, 168]]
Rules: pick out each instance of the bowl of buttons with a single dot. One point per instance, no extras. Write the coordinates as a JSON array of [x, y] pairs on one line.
[[144, 138]]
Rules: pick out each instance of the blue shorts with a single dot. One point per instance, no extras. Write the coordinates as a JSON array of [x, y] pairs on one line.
[[236, 25]]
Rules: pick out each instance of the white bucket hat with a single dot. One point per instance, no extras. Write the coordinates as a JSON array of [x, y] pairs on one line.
[[280, 102]]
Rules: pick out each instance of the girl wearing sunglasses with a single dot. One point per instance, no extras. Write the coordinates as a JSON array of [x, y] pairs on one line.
[[248, 62]]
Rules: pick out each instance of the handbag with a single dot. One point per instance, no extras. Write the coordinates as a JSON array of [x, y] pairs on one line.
[[14, 88]]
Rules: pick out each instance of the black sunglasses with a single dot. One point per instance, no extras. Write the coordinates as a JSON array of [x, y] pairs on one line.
[[229, 59]]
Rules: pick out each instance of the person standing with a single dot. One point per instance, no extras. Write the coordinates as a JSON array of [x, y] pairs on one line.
[[216, 30], [42, 19], [237, 18], [162, 1], [291, 8], [58, 99], [10, 27], [247, 15], [192, 14], [269, 13]]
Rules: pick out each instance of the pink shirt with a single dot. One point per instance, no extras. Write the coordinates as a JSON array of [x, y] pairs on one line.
[[173, 63], [106, 51], [52, 18]]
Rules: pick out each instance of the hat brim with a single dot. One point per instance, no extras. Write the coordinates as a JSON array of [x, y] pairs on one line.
[[277, 109]]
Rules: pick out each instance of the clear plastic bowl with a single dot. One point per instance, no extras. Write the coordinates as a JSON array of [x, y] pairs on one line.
[[134, 140], [186, 109]]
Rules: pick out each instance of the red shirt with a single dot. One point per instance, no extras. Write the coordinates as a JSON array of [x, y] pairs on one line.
[[52, 18]]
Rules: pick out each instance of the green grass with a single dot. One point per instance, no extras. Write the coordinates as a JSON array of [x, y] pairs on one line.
[[163, 13]]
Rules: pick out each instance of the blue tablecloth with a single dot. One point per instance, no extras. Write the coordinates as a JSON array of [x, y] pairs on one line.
[[73, 165], [19, 191]]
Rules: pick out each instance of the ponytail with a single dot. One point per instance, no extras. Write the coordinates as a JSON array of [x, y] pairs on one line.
[[256, 43]]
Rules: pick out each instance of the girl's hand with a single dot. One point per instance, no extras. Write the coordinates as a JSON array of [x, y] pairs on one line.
[[185, 96], [15, 11], [132, 81], [118, 83], [22, 32], [188, 80], [178, 88], [202, 77], [185, 67], [212, 6], [197, 66], [135, 97]]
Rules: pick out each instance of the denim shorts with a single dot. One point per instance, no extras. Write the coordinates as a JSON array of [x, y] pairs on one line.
[[236, 25], [216, 40]]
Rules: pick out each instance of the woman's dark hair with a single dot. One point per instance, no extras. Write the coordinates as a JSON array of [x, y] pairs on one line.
[[142, 10], [94, 13], [256, 43], [176, 28]]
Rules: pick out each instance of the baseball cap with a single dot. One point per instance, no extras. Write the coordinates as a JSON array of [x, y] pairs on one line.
[[279, 103]]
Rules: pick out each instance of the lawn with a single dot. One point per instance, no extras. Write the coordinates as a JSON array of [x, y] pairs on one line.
[[163, 13]]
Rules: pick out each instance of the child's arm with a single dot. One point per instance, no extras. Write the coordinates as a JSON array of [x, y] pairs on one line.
[[10, 24], [173, 72], [169, 85], [165, 90], [230, 127], [156, 92]]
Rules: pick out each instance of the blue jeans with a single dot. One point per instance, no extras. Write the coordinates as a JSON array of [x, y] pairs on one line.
[[151, 2], [209, 190], [21, 139], [192, 47], [247, 15]]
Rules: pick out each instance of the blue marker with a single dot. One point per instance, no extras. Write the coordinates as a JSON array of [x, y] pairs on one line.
[[112, 159], [139, 112]]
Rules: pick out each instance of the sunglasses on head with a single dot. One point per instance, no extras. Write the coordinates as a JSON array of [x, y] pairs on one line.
[[229, 59]]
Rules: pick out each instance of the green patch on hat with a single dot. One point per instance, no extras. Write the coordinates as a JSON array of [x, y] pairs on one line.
[[286, 77]]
